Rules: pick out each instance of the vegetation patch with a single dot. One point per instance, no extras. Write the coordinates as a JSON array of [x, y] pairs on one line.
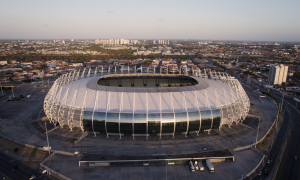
[[269, 94], [33, 153], [27, 80], [20, 97]]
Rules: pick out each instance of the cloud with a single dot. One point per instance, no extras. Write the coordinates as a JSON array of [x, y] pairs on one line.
[[45, 25], [110, 12], [160, 20]]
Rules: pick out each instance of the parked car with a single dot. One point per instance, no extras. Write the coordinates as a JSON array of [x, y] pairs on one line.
[[192, 166], [196, 166], [201, 167]]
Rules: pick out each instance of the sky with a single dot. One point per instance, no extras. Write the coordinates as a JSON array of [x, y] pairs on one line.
[[243, 20]]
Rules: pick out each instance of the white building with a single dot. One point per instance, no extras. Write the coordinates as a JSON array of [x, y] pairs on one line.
[[277, 74], [3, 62]]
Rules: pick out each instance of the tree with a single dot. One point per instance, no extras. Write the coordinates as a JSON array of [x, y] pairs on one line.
[[33, 153], [247, 72], [58, 74], [244, 66], [27, 80], [296, 75], [43, 66]]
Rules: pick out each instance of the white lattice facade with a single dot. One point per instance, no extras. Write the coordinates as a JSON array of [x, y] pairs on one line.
[[77, 100]]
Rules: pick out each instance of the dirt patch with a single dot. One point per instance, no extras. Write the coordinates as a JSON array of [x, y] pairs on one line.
[[20, 150], [264, 145]]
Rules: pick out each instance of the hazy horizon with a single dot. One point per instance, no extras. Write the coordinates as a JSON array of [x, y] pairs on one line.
[[269, 21], [92, 39]]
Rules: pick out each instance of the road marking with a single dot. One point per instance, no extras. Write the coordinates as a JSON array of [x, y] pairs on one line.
[[13, 164], [40, 112], [5, 175]]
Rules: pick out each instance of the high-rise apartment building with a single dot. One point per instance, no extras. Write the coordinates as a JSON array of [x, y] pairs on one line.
[[115, 41], [277, 74], [162, 42]]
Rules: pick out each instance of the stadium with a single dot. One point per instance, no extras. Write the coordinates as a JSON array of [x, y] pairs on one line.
[[145, 104]]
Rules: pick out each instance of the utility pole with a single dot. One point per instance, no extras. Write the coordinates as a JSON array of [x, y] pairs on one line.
[[47, 137], [257, 131], [1, 88]]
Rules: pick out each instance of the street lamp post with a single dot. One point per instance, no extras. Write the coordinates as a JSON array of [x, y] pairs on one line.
[[166, 170], [12, 90], [257, 131], [282, 100], [47, 137], [277, 118], [1, 88], [277, 126]]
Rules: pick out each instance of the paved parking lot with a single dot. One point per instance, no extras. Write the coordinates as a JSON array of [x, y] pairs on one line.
[[68, 166], [17, 122]]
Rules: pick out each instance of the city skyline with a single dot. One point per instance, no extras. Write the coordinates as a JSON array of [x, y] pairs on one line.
[[217, 20]]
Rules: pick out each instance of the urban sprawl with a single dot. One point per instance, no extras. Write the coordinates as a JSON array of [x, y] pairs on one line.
[[269, 64]]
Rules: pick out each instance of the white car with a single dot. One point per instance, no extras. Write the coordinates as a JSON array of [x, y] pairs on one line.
[[196, 166], [47, 147]]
